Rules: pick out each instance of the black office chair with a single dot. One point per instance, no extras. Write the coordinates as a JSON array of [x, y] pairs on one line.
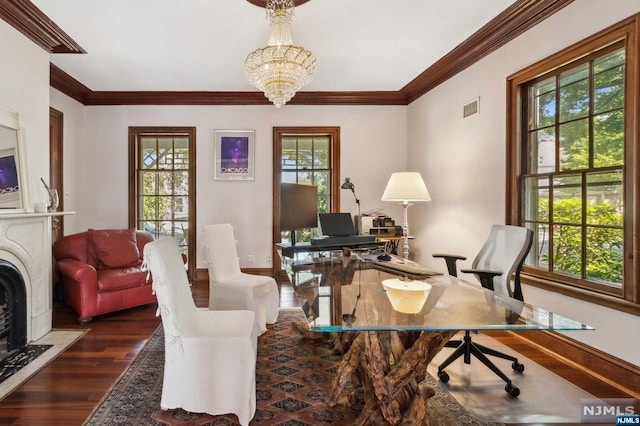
[[501, 256]]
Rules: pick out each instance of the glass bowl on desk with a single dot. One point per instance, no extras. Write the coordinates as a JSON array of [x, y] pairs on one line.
[[406, 296]]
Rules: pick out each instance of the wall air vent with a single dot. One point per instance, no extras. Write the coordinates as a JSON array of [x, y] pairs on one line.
[[471, 108]]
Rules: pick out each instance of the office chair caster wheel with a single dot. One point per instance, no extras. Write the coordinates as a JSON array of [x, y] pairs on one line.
[[443, 376], [517, 367], [512, 390]]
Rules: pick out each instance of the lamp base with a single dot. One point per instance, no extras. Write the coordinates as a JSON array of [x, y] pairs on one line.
[[405, 231]]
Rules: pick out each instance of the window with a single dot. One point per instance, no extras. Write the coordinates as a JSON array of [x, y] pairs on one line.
[[571, 174], [309, 156], [306, 161], [162, 184]]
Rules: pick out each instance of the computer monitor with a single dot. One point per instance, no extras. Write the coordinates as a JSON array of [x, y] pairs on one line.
[[298, 208], [337, 224]]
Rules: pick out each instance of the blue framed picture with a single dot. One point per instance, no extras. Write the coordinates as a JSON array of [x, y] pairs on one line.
[[234, 154]]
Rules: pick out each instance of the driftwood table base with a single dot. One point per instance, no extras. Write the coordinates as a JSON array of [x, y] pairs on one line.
[[388, 367], [384, 370]]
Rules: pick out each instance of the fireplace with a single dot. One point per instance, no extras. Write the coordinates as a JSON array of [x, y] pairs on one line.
[[13, 309], [25, 279]]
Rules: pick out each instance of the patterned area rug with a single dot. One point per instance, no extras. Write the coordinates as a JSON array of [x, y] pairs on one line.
[[293, 376]]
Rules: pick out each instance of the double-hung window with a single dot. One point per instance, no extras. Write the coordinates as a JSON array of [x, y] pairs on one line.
[[162, 184], [573, 172]]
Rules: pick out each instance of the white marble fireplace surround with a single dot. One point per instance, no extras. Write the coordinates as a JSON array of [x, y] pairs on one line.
[[25, 241]]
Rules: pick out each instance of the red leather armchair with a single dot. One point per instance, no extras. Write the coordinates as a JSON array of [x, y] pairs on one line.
[[102, 271]]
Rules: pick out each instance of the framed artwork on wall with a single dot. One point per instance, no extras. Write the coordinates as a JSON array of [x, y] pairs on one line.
[[15, 196], [234, 154], [9, 182]]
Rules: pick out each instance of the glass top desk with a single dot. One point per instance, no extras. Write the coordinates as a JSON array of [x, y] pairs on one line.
[[376, 304], [359, 293]]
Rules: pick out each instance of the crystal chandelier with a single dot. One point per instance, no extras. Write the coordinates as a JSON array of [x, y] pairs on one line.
[[280, 69]]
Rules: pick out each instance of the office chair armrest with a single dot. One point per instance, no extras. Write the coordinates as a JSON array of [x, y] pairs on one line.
[[485, 276], [451, 260]]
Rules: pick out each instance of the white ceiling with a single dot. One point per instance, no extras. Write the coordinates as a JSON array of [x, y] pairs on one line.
[[200, 45]]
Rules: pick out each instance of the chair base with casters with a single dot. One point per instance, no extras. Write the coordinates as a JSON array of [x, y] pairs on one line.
[[467, 348], [500, 258]]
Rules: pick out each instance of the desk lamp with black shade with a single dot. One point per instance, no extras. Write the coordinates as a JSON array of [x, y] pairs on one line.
[[406, 188], [298, 208], [349, 185]]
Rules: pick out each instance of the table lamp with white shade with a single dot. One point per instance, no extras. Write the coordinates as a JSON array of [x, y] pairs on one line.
[[406, 188]]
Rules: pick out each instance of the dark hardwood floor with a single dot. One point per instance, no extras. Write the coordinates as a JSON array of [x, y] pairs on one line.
[[67, 390]]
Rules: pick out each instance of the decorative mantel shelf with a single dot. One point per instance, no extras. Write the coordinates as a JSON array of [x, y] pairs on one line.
[[22, 215]]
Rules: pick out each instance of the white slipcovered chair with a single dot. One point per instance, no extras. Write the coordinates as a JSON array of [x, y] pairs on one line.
[[229, 288], [210, 356]]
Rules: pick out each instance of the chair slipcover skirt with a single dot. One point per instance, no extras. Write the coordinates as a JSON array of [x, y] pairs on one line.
[[229, 288]]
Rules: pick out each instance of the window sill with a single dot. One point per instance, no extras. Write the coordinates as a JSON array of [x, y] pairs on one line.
[[577, 293]]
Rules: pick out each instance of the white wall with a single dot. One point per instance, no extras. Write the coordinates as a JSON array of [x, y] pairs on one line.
[[24, 88], [463, 161], [373, 141]]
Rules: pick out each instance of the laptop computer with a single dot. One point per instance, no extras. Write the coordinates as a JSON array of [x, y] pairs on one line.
[[336, 224], [338, 228]]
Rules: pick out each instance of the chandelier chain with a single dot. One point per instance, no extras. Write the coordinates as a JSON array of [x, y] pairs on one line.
[[275, 5]]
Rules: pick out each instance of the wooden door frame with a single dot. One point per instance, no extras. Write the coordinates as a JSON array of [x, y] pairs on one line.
[[56, 181], [56, 156]]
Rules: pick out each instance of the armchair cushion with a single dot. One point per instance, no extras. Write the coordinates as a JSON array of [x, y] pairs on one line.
[[114, 248], [120, 278]]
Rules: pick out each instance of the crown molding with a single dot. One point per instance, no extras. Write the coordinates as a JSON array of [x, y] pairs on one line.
[[513, 21], [241, 98], [347, 98], [25, 17], [68, 85], [71, 87]]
